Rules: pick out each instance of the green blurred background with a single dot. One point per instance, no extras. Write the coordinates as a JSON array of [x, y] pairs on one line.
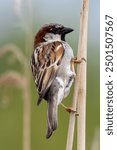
[[19, 22]]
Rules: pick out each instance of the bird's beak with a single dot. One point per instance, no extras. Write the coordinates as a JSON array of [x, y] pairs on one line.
[[67, 30]]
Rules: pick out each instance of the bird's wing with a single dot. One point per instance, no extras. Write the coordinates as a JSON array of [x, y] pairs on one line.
[[45, 61]]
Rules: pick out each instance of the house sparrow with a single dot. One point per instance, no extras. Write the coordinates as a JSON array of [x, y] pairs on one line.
[[52, 66]]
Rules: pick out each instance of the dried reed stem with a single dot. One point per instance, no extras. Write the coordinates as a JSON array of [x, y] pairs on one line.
[[81, 72], [70, 135], [79, 95], [26, 118]]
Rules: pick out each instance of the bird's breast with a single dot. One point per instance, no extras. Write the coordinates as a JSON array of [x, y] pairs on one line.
[[68, 51], [65, 72]]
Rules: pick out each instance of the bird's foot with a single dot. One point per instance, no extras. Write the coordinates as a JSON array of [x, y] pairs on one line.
[[69, 109], [76, 61]]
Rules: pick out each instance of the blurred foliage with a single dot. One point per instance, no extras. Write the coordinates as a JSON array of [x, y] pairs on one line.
[[11, 98]]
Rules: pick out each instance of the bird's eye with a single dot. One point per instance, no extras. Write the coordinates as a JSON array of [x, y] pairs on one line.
[[54, 30]]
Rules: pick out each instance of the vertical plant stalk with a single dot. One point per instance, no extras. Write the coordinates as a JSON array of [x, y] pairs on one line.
[[26, 117], [79, 95], [82, 73], [71, 127], [27, 97]]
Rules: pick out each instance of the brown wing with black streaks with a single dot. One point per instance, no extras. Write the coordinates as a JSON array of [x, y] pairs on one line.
[[45, 63]]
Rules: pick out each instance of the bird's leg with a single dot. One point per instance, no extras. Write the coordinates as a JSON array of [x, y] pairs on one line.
[[73, 61], [76, 61], [69, 109], [72, 67]]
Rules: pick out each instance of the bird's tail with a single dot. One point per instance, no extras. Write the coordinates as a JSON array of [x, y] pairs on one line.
[[52, 111]]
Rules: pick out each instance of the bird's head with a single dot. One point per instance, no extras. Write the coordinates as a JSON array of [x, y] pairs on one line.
[[51, 32]]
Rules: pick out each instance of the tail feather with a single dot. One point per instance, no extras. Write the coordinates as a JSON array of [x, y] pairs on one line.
[[51, 117]]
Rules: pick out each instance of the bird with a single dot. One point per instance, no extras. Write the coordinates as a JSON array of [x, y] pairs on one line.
[[52, 64]]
